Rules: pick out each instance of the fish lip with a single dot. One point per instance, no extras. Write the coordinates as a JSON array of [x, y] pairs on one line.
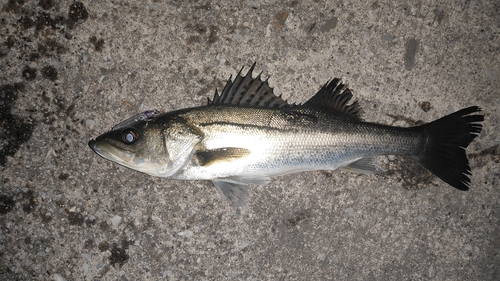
[[93, 144], [110, 152]]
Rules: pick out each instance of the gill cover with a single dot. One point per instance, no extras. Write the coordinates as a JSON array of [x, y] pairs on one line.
[[180, 140]]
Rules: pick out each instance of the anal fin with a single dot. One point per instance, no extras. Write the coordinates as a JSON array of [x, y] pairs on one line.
[[365, 165]]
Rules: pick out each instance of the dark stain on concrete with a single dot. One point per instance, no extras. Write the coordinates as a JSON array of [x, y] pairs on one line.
[[46, 19], [13, 6], [411, 122], [75, 218], [411, 48], [10, 42], [439, 16], [410, 174], [51, 48], [330, 24], [63, 176], [212, 36], [29, 73], [98, 43], [103, 246], [49, 72], [46, 4], [490, 154], [208, 34], [425, 106], [280, 19], [45, 215], [297, 218], [7, 204], [118, 256], [77, 12], [30, 201], [13, 130]]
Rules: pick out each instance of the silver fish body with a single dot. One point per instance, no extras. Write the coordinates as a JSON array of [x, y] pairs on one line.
[[246, 135], [254, 144]]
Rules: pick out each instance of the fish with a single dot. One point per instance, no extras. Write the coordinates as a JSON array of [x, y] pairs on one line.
[[247, 135]]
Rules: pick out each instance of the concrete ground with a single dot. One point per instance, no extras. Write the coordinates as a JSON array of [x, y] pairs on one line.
[[72, 70]]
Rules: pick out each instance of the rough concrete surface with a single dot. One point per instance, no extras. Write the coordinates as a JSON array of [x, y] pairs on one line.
[[72, 70]]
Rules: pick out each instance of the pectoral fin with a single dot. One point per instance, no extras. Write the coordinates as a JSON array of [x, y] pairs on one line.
[[225, 154], [365, 165]]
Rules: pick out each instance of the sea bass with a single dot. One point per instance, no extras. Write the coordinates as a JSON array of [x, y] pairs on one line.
[[247, 134]]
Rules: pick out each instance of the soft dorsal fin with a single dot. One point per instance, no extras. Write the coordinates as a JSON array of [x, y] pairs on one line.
[[334, 96], [248, 91]]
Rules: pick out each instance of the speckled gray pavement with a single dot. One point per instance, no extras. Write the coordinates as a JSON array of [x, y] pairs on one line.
[[72, 70]]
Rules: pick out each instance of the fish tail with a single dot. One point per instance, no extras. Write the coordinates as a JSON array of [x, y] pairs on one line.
[[447, 138]]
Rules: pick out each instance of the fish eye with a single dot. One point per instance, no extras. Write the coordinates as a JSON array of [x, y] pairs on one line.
[[129, 136]]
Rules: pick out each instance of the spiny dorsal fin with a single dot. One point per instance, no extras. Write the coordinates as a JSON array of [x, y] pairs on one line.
[[334, 96], [248, 91]]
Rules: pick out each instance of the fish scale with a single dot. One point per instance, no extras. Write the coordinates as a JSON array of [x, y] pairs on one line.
[[287, 145], [246, 135]]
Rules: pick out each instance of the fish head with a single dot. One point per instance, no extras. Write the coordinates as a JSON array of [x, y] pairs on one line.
[[155, 146], [139, 147]]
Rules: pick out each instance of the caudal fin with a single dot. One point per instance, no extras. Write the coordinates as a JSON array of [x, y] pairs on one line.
[[447, 138]]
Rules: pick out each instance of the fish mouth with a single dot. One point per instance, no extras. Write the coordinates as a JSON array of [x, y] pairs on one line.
[[111, 152], [125, 158], [93, 146]]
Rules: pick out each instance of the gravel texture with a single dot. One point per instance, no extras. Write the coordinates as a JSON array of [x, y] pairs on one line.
[[69, 71]]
